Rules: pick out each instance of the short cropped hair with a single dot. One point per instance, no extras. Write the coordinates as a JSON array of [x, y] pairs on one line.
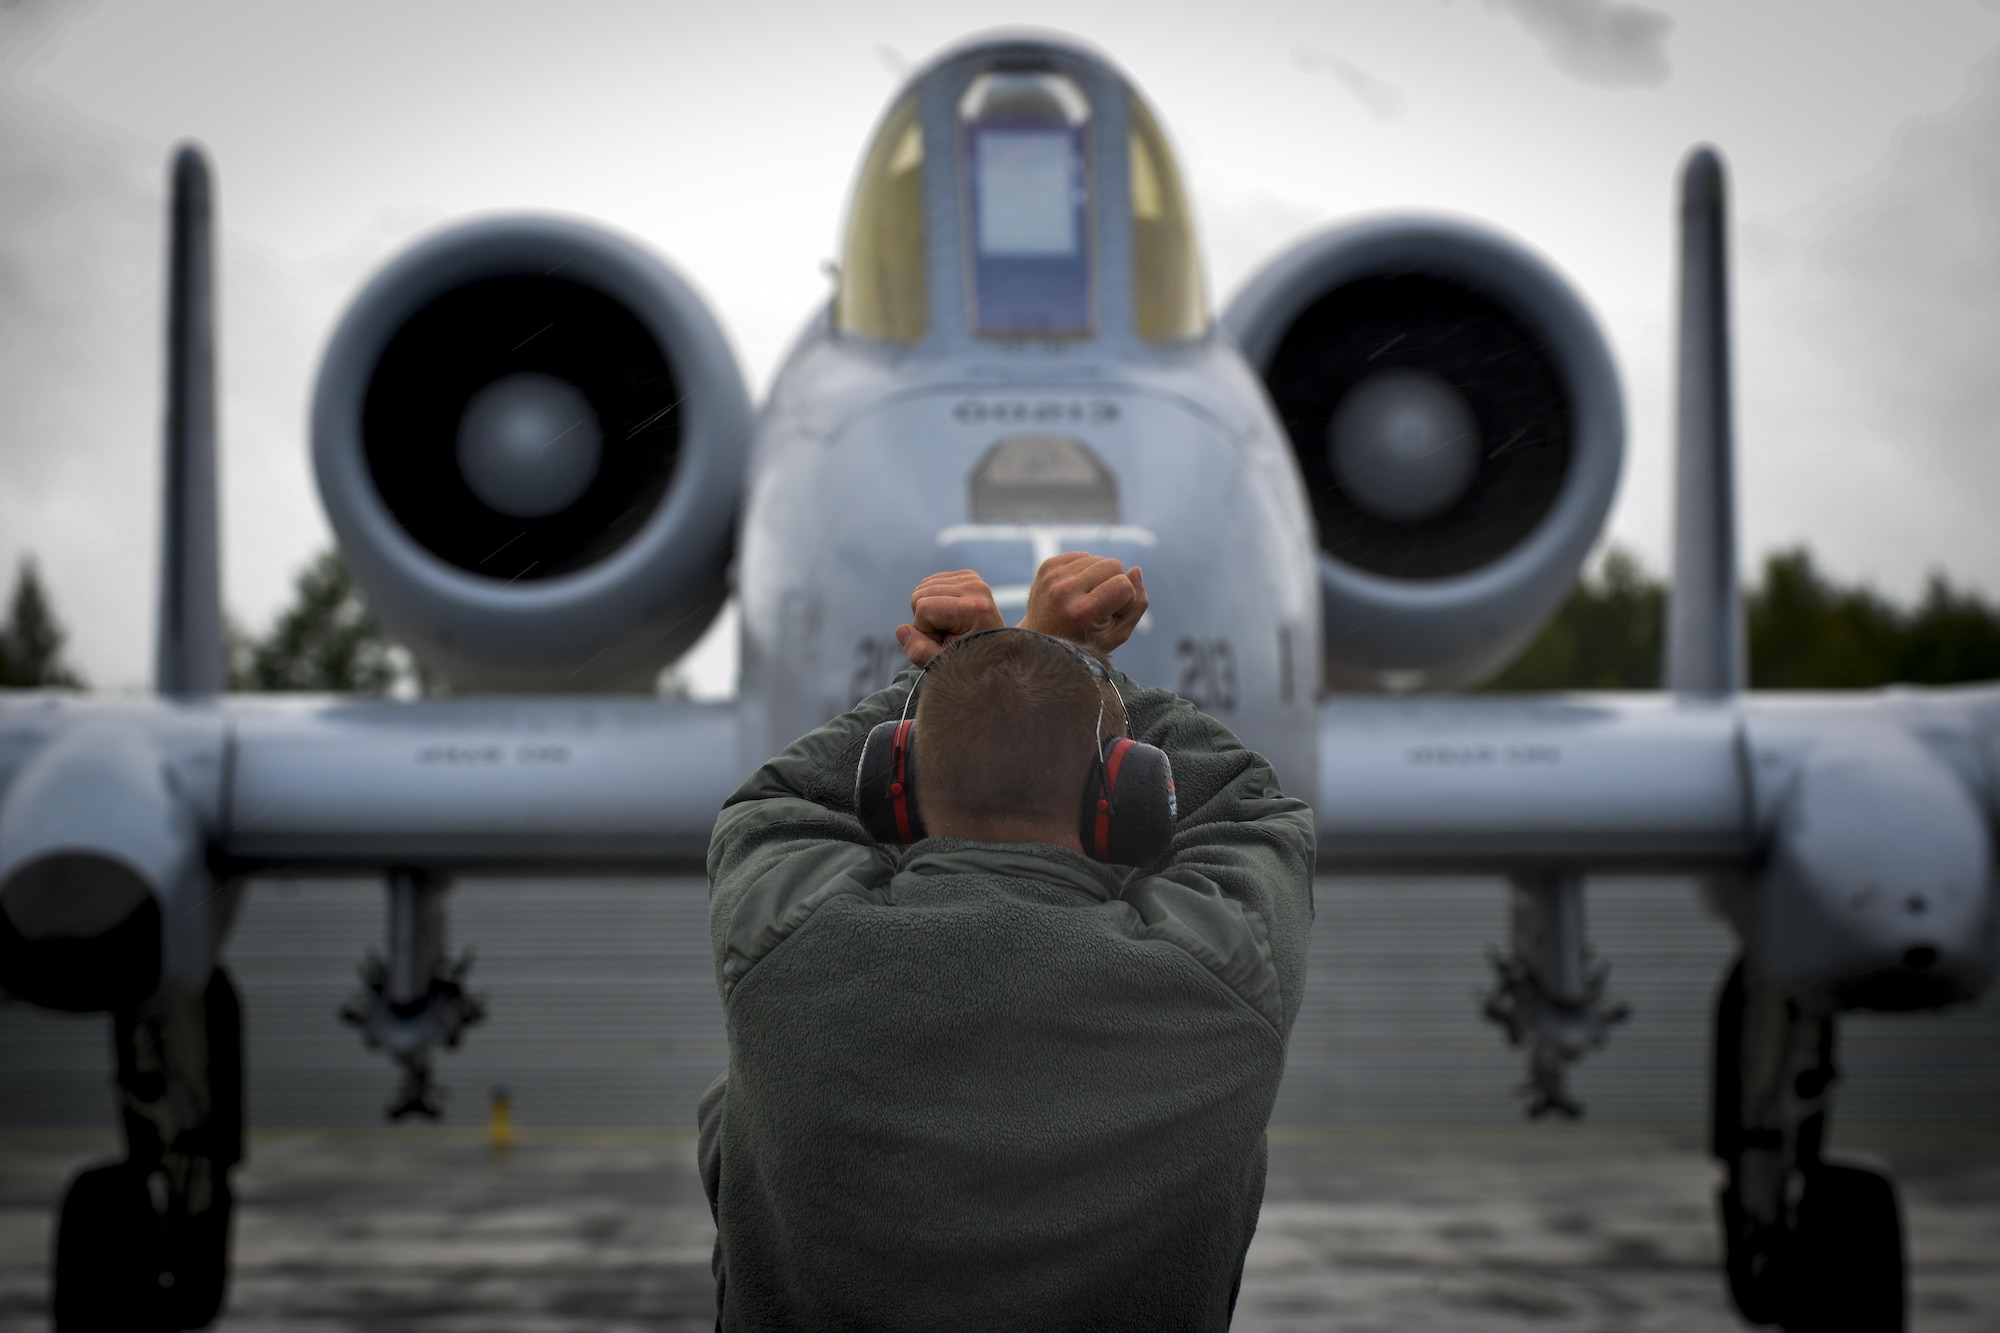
[[1006, 727]]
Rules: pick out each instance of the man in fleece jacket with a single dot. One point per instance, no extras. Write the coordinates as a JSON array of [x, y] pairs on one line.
[[984, 1082]]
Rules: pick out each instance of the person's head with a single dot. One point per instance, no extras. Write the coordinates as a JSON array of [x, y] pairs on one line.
[[1009, 725]]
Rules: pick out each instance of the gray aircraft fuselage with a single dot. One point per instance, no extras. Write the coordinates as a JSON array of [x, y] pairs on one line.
[[863, 481]]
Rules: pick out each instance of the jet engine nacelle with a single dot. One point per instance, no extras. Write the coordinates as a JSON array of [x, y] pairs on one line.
[[1458, 422], [529, 437]]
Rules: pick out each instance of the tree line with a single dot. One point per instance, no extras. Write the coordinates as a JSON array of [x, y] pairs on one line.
[[31, 640], [1806, 631], [325, 641]]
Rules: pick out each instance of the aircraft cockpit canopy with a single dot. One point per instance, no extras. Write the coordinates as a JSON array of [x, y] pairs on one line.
[[1169, 300], [884, 283], [1033, 201]]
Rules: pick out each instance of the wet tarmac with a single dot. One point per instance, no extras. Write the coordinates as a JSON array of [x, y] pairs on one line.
[[1555, 1228]]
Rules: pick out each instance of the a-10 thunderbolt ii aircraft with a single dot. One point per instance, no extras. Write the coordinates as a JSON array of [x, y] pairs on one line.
[[1370, 482]]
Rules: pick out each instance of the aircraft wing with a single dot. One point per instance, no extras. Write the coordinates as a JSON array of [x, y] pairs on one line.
[[1631, 781], [577, 784], [1605, 781], [1602, 782]]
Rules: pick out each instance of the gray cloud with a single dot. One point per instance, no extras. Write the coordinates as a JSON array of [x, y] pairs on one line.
[[1378, 97], [80, 244], [77, 227], [898, 64], [82, 249], [1609, 43], [1896, 299], [28, 26]]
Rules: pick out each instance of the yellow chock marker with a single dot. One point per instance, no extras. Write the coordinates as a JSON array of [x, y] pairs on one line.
[[500, 1124]]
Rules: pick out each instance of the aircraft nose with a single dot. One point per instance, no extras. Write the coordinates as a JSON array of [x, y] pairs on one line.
[[529, 445]]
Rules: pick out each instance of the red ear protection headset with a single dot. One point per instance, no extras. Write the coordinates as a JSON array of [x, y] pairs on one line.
[[1128, 801]]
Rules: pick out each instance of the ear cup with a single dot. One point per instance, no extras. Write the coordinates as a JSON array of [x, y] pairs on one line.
[[885, 783], [1128, 804]]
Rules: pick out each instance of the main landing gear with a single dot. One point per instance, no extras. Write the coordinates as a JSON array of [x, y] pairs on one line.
[[142, 1245], [1810, 1244]]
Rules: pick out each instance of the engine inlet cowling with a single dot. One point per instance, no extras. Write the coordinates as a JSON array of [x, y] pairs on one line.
[[106, 897], [529, 436], [1458, 425]]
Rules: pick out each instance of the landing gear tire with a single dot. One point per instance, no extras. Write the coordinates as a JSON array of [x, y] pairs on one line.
[[1845, 1269], [121, 1268], [110, 1256]]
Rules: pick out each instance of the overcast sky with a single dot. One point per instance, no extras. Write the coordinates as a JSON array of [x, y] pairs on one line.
[[1863, 140]]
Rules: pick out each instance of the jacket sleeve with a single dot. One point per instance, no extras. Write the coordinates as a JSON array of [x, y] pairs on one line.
[[1235, 887], [788, 839]]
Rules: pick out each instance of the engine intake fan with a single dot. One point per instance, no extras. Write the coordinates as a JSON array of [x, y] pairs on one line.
[[529, 437], [1458, 425]]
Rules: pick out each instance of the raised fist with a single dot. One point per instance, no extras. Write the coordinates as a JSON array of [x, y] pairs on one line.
[[1089, 599], [945, 607]]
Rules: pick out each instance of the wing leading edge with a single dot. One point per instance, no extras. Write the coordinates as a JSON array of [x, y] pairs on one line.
[[1601, 782], [495, 785]]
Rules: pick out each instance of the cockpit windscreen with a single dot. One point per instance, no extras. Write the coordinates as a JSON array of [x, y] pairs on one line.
[[1023, 181], [1028, 179]]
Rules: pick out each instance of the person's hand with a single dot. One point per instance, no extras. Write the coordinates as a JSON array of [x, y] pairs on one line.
[[1088, 599], [945, 607]]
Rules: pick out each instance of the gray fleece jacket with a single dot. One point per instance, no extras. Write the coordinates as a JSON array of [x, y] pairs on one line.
[[997, 1086]]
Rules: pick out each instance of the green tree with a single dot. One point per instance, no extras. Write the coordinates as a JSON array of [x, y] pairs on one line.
[[326, 641], [329, 642], [1807, 633], [31, 642], [1953, 636], [1607, 636]]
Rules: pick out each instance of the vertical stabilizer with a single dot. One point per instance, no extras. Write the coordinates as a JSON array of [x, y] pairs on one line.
[[189, 661], [1705, 649]]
